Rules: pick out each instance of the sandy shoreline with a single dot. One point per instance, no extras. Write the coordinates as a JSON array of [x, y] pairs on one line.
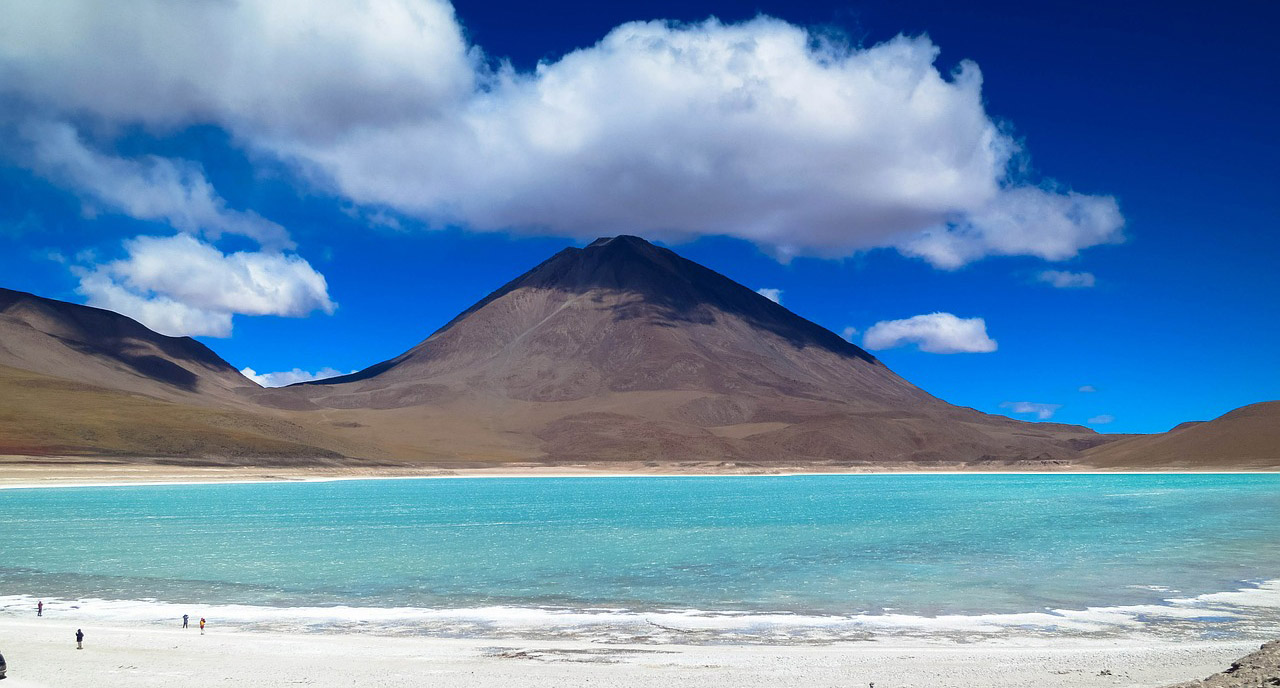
[[41, 653], [24, 472], [18, 471]]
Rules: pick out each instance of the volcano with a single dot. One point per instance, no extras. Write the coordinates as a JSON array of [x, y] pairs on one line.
[[626, 351]]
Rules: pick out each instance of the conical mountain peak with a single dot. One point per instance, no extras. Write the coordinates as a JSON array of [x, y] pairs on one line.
[[667, 289], [612, 285], [623, 350]]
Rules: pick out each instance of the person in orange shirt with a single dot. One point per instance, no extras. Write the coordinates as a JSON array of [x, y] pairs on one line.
[[202, 625]]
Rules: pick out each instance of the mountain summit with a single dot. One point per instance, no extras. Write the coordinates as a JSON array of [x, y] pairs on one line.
[[674, 288], [599, 306]]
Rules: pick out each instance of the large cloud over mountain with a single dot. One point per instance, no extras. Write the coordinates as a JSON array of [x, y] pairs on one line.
[[760, 130]]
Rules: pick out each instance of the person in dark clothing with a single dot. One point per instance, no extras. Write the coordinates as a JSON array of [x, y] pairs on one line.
[[40, 608], [185, 618], [79, 639]]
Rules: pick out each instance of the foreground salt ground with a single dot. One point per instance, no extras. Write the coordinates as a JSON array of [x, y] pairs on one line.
[[41, 653]]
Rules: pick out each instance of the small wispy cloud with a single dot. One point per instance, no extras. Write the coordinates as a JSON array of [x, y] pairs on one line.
[[156, 189], [774, 295], [848, 333], [936, 333], [1063, 279], [1087, 389], [289, 377], [1041, 411], [1102, 419]]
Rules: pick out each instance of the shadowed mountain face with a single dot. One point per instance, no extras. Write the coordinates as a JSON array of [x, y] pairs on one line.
[[101, 347], [76, 380], [624, 350]]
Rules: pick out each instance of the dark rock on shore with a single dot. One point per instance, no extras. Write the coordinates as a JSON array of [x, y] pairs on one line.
[[1259, 669]]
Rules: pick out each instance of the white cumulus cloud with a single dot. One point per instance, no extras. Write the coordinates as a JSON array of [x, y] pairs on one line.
[[1041, 411], [938, 333], [762, 130], [848, 333], [1022, 221], [1063, 279], [289, 377], [182, 286], [774, 295], [270, 69], [158, 312]]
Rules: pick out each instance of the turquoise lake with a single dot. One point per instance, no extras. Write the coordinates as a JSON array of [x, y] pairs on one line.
[[849, 554]]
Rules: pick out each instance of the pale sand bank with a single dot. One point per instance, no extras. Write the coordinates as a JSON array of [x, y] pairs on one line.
[[41, 653], [17, 471]]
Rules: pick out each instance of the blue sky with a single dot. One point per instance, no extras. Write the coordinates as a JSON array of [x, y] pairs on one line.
[[316, 210]]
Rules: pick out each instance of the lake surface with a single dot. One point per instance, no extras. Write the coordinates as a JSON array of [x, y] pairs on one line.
[[700, 558]]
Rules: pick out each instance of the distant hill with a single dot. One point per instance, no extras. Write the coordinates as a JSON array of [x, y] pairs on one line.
[[42, 415], [76, 380], [103, 348], [1248, 437]]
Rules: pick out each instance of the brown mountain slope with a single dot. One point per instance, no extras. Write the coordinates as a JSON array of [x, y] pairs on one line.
[[42, 415], [106, 349], [1248, 437], [623, 315], [76, 380], [626, 351]]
